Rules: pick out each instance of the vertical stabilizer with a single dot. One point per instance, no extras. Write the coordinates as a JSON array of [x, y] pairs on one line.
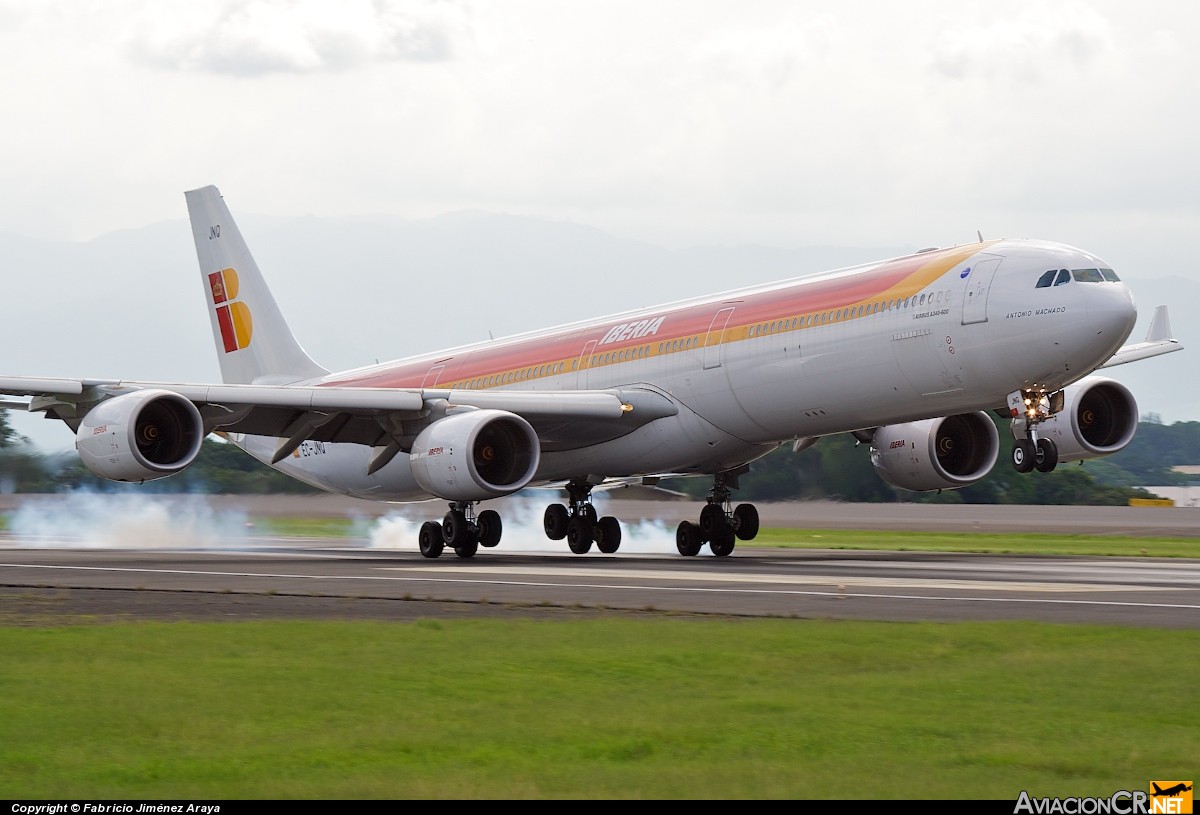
[[254, 343]]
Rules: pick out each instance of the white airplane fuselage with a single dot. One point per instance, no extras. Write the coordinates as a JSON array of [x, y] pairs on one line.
[[933, 334]]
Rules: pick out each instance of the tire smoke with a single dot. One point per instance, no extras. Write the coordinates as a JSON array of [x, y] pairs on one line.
[[123, 521], [523, 532]]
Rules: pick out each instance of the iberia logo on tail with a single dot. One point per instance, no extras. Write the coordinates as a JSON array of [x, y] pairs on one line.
[[233, 316]]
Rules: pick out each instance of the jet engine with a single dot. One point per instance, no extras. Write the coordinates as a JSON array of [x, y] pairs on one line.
[[140, 436], [933, 454], [1099, 416], [475, 455]]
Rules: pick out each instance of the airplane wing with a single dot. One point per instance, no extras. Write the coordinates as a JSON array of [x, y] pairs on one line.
[[369, 416], [1158, 341]]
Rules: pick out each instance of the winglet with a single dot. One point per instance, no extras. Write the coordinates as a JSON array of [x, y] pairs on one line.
[[1160, 326], [254, 343], [1158, 341]]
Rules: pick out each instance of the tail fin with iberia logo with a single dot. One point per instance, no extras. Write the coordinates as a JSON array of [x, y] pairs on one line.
[[254, 343]]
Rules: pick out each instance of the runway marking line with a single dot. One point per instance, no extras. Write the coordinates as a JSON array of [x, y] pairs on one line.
[[799, 580], [839, 595]]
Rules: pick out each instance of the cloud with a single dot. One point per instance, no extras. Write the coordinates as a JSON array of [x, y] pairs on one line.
[[1026, 47], [250, 38]]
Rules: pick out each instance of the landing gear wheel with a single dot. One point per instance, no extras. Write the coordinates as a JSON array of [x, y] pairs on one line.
[[429, 540], [1046, 456], [468, 548], [745, 521], [712, 521], [554, 522], [608, 534], [687, 539], [455, 531], [1023, 455], [579, 535], [722, 544], [490, 527]]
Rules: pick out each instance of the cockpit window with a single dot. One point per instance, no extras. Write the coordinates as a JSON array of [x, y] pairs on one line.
[[1059, 277], [1088, 275]]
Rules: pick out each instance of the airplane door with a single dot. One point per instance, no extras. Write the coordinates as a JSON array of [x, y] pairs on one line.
[[431, 377], [584, 359], [716, 335], [979, 283], [926, 358]]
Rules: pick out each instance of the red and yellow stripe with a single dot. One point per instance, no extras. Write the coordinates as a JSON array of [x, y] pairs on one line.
[[796, 306]]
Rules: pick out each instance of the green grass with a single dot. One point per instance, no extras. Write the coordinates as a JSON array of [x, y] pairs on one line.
[[605, 709], [671, 708], [979, 542], [995, 543], [295, 527]]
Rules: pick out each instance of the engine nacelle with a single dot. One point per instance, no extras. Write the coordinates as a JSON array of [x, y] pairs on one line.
[[140, 436], [1099, 416], [475, 455], [934, 454]]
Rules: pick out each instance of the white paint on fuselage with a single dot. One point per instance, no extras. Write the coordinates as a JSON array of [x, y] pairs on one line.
[[941, 354]]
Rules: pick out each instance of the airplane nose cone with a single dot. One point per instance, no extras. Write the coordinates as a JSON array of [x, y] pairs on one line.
[[1111, 311]]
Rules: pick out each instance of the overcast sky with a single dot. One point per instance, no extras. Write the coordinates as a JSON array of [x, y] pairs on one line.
[[680, 122], [677, 121]]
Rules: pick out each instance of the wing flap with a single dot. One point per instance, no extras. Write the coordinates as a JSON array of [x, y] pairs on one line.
[[40, 385], [352, 400], [563, 419], [571, 404]]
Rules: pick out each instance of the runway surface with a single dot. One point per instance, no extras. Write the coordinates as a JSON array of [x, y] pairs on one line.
[[162, 566]]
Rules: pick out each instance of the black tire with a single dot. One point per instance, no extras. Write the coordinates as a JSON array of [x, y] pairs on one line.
[[608, 534], [712, 521], [722, 544], [1023, 455], [687, 539], [429, 540], [1046, 457], [554, 522], [490, 527], [455, 531], [579, 535], [467, 549], [745, 521]]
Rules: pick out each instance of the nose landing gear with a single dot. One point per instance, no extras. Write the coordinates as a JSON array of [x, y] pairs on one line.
[[1033, 452]]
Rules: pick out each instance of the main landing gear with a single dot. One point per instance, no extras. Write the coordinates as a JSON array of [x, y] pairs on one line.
[[1032, 452], [461, 530], [579, 523], [718, 525]]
